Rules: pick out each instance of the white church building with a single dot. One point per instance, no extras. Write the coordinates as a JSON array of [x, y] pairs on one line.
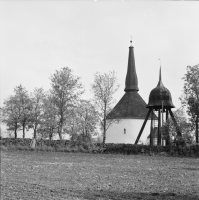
[[130, 110]]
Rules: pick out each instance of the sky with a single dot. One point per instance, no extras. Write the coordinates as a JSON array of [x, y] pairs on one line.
[[39, 37]]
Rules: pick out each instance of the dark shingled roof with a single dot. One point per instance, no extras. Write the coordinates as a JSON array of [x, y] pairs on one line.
[[131, 82], [130, 106], [160, 96]]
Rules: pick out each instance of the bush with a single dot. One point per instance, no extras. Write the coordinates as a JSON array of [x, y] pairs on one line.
[[3, 148], [67, 149], [81, 149], [44, 148], [74, 149]]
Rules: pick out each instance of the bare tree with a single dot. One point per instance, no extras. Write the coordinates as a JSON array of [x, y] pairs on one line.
[[103, 88], [66, 90]]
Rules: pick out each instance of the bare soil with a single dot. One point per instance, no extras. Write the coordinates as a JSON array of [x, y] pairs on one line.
[[72, 176]]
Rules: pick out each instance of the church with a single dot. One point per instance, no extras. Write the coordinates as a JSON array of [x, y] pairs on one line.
[[130, 111]]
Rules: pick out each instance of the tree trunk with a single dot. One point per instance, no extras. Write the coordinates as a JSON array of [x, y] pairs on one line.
[[51, 134], [167, 142], [15, 130], [197, 129], [35, 132], [60, 130], [23, 130], [104, 131], [61, 126], [104, 134]]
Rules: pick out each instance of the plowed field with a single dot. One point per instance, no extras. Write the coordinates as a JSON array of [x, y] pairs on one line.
[[52, 175]]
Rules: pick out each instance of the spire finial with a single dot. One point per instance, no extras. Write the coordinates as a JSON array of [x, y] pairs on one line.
[[160, 76], [131, 40]]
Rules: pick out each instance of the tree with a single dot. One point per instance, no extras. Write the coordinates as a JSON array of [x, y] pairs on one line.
[[11, 114], [169, 130], [1, 119], [66, 90], [83, 120], [103, 88], [49, 121], [23, 103], [190, 97], [17, 110], [37, 101]]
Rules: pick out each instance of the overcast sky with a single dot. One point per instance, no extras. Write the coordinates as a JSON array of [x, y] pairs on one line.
[[39, 37]]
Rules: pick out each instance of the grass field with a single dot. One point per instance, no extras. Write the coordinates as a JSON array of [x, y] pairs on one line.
[[55, 175]]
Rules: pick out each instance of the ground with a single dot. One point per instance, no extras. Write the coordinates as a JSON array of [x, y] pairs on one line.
[[72, 176]]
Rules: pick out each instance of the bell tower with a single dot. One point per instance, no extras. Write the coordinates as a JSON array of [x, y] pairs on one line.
[[159, 100]]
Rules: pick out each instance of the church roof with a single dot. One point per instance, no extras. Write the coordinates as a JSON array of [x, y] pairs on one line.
[[131, 105]]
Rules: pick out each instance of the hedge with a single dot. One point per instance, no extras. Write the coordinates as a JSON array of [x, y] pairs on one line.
[[185, 151], [109, 148], [27, 141]]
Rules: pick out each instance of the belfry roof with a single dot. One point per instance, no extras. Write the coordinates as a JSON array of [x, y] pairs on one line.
[[131, 105], [160, 96]]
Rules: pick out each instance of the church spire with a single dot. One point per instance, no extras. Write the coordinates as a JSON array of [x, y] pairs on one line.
[[131, 76], [160, 79]]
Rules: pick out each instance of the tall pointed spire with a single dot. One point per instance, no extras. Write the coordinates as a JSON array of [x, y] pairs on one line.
[[160, 79], [131, 76], [160, 75], [131, 105]]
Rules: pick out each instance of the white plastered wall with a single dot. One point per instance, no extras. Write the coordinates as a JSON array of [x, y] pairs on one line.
[[116, 132]]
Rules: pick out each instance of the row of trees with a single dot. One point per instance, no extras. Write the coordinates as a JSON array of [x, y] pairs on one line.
[[61, 109]]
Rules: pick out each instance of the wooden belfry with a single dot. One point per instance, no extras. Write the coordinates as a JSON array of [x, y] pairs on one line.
[[159, 100]]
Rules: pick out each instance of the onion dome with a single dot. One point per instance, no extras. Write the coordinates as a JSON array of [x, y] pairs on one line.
[[160, 96]]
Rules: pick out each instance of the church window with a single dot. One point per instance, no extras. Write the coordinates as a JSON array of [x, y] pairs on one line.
[[124, 131]]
